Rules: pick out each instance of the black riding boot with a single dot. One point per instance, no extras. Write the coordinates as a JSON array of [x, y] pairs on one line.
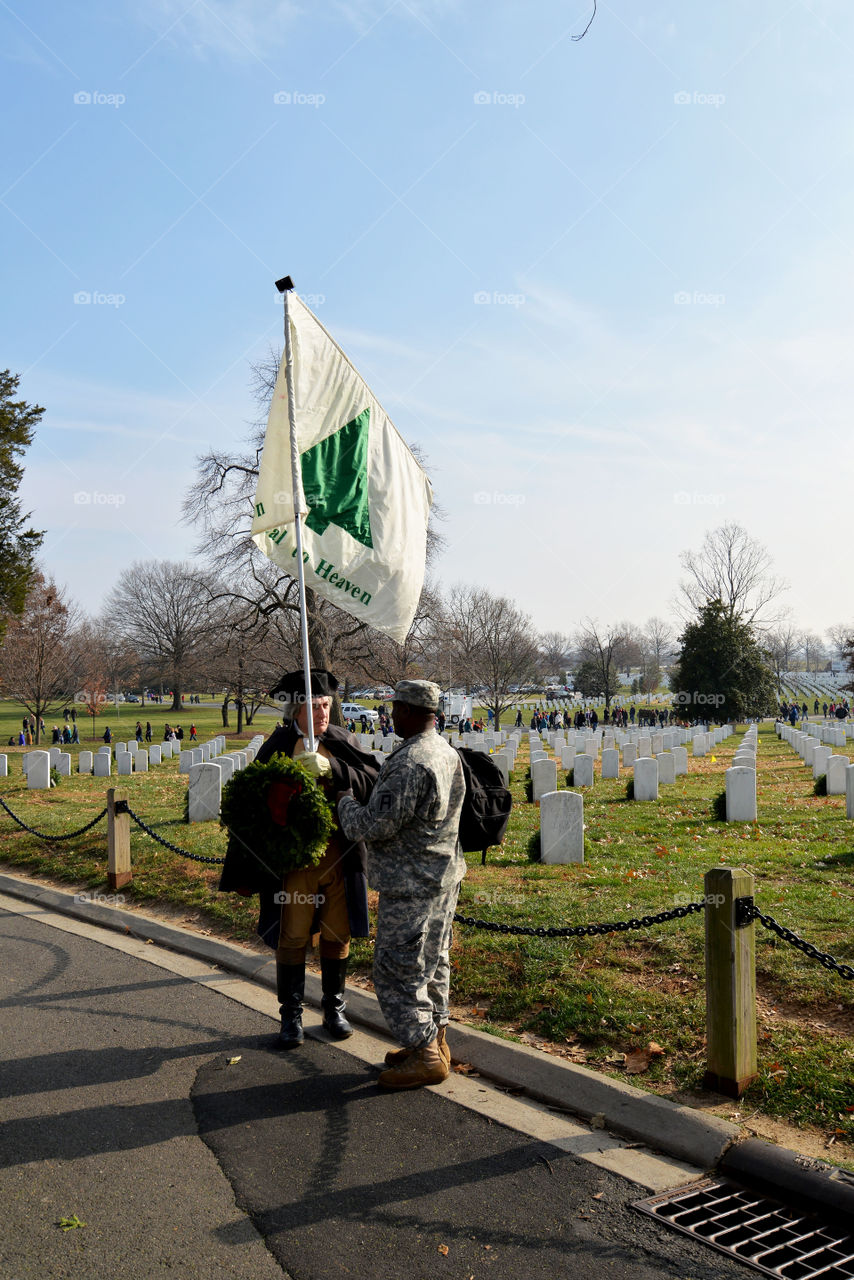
[[332, 976], [290, 988]]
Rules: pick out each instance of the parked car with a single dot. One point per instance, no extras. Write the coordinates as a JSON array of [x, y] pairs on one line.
[[353, 711], [132, 697]]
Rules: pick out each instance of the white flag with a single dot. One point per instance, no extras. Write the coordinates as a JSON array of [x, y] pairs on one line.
[[368, 500]]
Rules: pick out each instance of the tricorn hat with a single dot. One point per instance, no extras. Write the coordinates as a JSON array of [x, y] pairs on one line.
[[323, 684]]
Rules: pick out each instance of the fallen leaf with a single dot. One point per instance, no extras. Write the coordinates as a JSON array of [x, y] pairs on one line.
[[638, 1061], [654, 1048], [443, 1249], [233, 1061]]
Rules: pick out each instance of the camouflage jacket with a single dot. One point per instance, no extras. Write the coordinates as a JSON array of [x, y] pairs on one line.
[[411, 822]]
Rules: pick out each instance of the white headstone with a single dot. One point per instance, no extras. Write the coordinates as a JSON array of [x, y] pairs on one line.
[[630, 753], [582, 775], [106, 750], [543, 778], [140, 762], [698, 745], [226, 764], [820, 757], [644, 745], [849, 791], [680, 760], [38, 770], [124, 763], [502, 761], [610, 762], [84, 762], [740, 794], [646, 778], [205, 792], [666, 767], [835, 774], [154, 753], [63, 764], [55, 753], [656, 745], [562, 827], [567, 757], [4, 766], [102, 765]]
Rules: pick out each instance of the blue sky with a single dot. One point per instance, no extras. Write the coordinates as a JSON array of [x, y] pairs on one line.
[[605, 284]]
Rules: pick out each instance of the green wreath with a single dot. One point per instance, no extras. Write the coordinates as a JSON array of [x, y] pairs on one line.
[[276, 813]]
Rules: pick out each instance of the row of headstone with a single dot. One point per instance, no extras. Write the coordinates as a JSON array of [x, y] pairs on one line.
[[130, 758], [207, 778], [822, 760], [740, 780]]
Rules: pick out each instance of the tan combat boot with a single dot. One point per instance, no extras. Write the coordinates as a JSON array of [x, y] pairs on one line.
[[421, 1066], [395, 1057]]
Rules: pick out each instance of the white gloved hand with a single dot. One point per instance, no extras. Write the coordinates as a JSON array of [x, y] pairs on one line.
[[316, 764]]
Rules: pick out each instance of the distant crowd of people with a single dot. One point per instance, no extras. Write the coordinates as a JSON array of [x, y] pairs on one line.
[[830, 710]]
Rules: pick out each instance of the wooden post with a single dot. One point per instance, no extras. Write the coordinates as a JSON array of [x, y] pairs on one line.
[[730, 985], [119, 871]]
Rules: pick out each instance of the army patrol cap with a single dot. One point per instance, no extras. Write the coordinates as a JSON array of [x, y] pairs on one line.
[[418, 693]]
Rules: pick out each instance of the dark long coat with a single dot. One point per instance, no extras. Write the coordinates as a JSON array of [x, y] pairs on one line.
[[352, 770]]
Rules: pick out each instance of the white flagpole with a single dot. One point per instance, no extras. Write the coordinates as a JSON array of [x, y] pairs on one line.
[[299, 511]]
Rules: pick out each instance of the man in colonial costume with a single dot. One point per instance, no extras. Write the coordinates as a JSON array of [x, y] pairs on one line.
[[329, 899]]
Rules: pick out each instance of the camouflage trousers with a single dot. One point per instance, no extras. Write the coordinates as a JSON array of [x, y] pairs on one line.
[[412, 969]]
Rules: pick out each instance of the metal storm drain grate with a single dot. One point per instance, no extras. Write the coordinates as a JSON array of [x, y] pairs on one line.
[[761, 1233]]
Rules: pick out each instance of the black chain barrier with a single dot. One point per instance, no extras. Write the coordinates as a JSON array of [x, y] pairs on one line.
[[751, 912], [583, 930], [47, 835], [123, 807]]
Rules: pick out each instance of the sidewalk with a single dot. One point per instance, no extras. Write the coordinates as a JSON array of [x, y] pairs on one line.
[[691, 1140]]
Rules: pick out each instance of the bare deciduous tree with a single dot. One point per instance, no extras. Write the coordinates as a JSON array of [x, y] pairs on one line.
[[734, 568], [604, 650], [162, 610], [40, 656]]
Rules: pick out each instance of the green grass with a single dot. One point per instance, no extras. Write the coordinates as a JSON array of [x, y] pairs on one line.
[[593, 999]]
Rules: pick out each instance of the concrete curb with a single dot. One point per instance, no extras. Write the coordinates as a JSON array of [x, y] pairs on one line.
[[702, 1140]]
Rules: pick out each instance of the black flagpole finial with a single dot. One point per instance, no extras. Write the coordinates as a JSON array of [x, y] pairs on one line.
[[284, 284]]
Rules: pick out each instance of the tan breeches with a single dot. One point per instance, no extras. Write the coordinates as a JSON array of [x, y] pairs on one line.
[[313, 901]]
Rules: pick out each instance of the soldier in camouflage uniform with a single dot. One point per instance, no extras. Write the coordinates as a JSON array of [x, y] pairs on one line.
[[410, 825]]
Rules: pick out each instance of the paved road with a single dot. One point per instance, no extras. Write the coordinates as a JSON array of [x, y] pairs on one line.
[[119, 1105]]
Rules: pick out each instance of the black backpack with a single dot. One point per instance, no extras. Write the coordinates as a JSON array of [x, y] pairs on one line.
[[487, 804]]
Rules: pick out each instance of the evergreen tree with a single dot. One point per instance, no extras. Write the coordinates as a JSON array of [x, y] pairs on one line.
[[18, 544], [721, 672]]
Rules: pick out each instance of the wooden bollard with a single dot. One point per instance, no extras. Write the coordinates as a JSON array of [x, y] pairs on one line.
[[730, 984], [119, 872]]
